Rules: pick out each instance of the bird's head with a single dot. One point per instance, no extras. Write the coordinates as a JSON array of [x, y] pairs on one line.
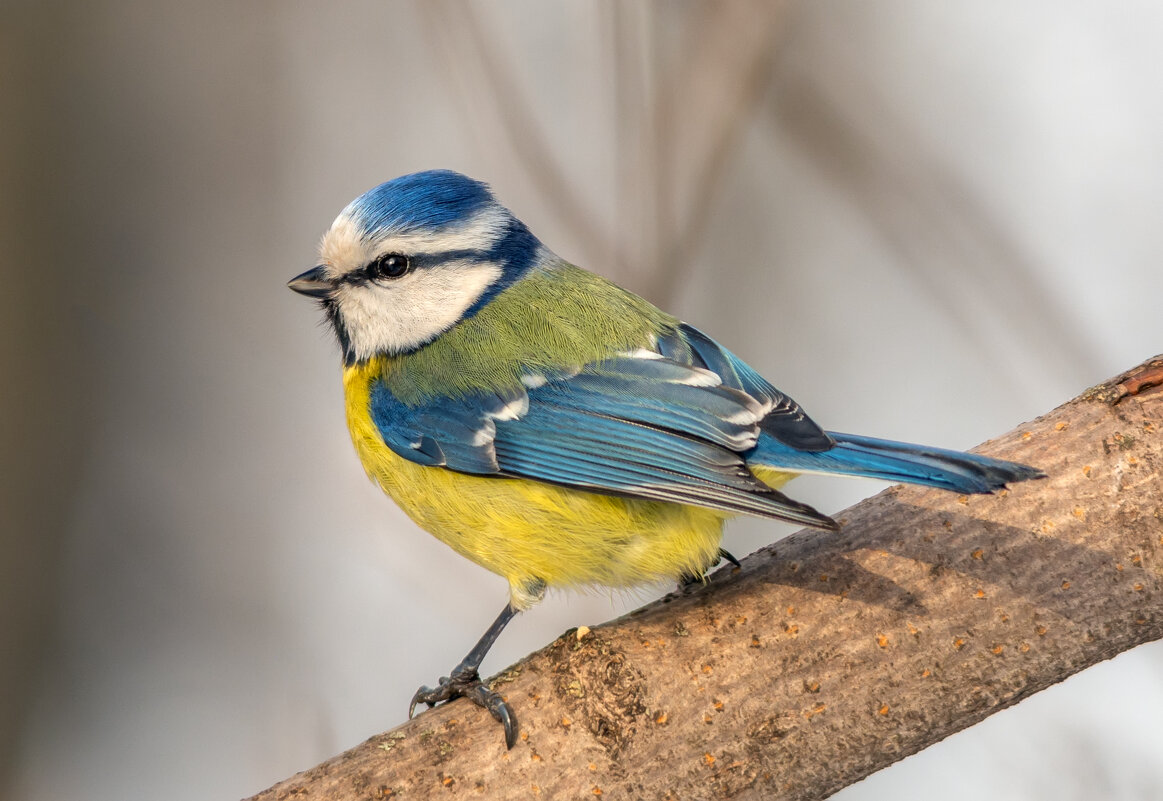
[[411, 258]]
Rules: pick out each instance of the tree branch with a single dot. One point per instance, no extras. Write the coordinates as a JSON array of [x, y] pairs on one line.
[[827, 656]]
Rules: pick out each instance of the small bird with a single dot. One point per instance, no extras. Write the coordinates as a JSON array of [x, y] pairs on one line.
[[551, 426]]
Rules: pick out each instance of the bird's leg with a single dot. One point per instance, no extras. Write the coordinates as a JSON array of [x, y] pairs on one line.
[[689, 581], [465, 681]]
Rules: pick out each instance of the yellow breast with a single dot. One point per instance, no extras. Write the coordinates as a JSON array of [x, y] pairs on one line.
[[530, 532]]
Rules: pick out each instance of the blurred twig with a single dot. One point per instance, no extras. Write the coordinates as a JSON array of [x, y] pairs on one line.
[[952, 246], [702, 111], [496, 110], [676, 127]]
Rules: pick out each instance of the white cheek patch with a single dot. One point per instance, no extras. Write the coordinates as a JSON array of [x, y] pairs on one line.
[[397, 315]]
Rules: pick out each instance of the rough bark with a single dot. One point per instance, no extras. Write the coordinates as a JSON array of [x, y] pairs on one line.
[[827, 656]]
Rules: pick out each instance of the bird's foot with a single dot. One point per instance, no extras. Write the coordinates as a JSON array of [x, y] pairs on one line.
[[466, 683]]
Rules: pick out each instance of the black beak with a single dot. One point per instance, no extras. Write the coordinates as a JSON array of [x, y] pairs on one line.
[[314, 283]]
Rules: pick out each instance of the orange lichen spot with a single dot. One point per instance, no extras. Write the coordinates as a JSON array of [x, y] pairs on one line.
[[883, 709], [707, 669], [708, 719], [536, 790], [979, 594], [1060, 426], [823, 577], [1024, 647], [817, 709], [963, 500], [913, 629], [717, 704], [791, 610], [661, 718], [1026, 435], [1137, 560], [1132, 460], [597, 790], [812, 686], [1047, 526], [926, 673], [448, 781], [1086, 471], [882, 640], [1065, 584], [524, 736], [646, 643], [791, 629], [977, 553], [1003, 617], [535, 757], [707, 758], [755, 642], [592, 767], [1079, 512], [1041, 631], [998, 650], [1138, 588], [566, 722], [741, 619], [958, 643]]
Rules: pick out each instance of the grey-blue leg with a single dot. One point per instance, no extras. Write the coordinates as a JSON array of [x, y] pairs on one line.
[[465, 681]]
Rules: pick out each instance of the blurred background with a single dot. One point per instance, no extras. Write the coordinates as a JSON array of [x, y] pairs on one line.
[[925, 221]]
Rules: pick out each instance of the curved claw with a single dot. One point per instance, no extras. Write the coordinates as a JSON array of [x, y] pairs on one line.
[[423, 694], [482, 696], [469, 685], [724, 554]]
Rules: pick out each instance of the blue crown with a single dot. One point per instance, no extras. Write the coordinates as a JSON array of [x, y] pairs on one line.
[[422, 201]]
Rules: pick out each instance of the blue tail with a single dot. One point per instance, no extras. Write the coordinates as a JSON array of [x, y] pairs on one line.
[[854, 455]]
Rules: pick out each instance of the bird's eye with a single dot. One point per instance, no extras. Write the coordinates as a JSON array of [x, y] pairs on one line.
[[390, 265]]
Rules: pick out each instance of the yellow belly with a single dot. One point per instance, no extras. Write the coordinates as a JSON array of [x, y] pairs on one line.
[[530, 532]]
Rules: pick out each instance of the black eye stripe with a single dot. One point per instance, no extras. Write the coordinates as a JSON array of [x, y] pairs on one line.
[[373, 271]]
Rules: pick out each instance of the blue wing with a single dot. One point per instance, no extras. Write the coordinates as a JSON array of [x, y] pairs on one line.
[[678, 424], [790, 440], [639, 425], [784, 419]]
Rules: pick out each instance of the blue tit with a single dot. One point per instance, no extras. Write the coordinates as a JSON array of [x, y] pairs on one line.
[[551, 426]]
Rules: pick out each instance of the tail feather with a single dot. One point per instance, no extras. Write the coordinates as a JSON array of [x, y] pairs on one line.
[[855, 455]]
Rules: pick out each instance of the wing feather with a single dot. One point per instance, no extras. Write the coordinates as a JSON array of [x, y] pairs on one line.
[[639, 425]]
